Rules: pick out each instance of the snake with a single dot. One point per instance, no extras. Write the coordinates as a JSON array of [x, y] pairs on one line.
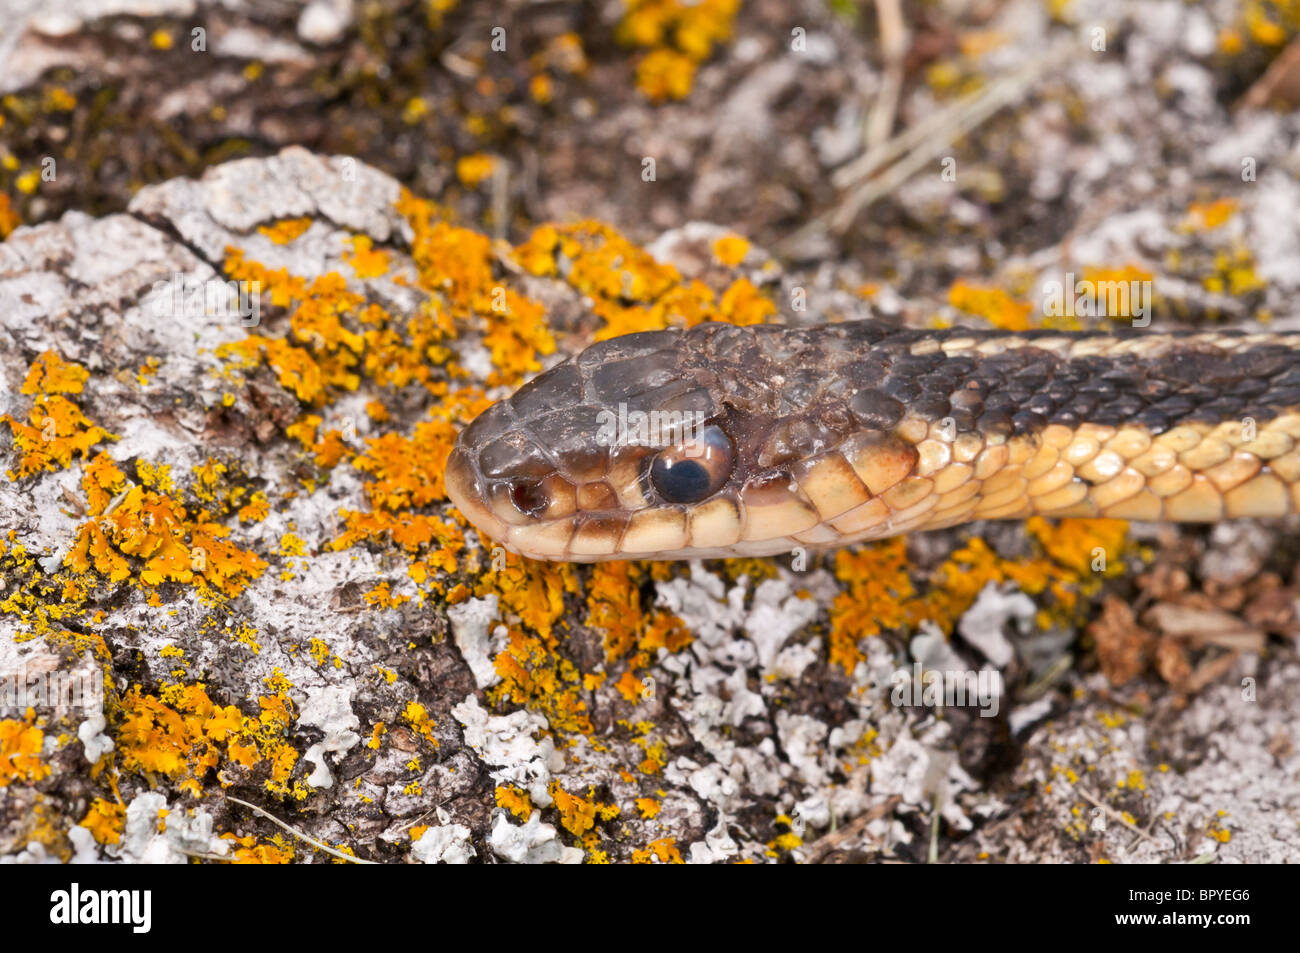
[[722, 441]]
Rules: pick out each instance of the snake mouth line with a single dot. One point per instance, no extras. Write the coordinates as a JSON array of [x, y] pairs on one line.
[[891, 434]]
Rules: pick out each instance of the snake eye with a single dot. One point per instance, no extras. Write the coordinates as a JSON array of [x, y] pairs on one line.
[[695, 469]]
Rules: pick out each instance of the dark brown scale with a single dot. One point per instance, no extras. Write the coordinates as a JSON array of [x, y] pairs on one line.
[[626, 346], [876, 410], [514, 453], [624, 380]]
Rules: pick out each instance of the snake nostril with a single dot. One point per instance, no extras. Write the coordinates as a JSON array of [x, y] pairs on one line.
[[529, 498]]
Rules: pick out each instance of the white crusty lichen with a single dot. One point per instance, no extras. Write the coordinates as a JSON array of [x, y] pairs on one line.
[[471, 629], [443, 843], [506, 744], [93, 739], [153, 834], [530, 843], [330, 710]]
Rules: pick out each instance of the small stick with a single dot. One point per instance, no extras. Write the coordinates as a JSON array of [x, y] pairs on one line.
[[893, 47], [832, 841], [1097, 803], [299, 834]]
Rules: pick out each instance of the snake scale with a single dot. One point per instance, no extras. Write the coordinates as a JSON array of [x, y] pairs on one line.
[[725, 441]]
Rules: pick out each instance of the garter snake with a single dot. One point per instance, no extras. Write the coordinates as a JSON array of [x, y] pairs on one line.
[[744, 441]]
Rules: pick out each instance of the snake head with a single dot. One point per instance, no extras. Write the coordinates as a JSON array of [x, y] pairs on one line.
[[664, 444], [600, 457]]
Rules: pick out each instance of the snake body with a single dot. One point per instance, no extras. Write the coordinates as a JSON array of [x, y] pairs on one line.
[[745, 441]]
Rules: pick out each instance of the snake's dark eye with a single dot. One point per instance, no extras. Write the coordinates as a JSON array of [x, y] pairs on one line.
[[694, 469]]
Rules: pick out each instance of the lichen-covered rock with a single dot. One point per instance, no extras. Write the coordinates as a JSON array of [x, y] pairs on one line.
[[226, 414]]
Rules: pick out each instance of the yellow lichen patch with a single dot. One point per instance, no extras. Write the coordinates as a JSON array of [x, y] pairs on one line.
[[21, 743], [1205, 216], [256, 509], [577, 814], [9, 217], [247, 850], [101, 481], [534, 674], [679, 35], [207, 477], [473, 169], [605, 265], [515, 801], [50, 374], [731, 250], [366, 262], [408, 471], [382, 597], [614, 609], [1083, 545], [105, 820], [457, 265], [286, 230], [993, 304], [1119, 287], [158, 531], [417, 716], [57, 430], [879, 594], [532, 591], [1234, 273], [629, 289], [297, 370], [648, 807], [665, 74], [663, 850], [183, 734]]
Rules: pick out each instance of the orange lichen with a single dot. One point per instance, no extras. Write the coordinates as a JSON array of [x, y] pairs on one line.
[[50, 374], [515, 801], [417, 716], [534, 675], [408, 471], [9, 217], [664, 850], [158, 531], [105, 820], [1206, 216], [880, 594], [680, 35], [629, 289], [286, 230], [993, 304], [578, 815], [473, 169], [21, 744], [58, 430], [366, 262], [249, 851], [183, 734]]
